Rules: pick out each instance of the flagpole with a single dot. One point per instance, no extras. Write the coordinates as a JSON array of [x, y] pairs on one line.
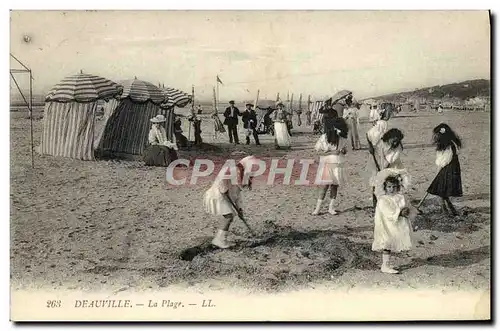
[[192, 100], [217, 95], [215, 113]]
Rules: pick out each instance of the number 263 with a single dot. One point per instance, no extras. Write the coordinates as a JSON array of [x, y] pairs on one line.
[[54, 304]]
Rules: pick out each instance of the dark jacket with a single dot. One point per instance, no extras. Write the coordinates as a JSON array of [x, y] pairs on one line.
[[247, 116], [231, 119]]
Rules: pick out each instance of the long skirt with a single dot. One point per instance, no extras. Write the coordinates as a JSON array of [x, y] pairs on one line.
[[159, 156], [448, 182], [281, 135], [181, 139], [353, 133]]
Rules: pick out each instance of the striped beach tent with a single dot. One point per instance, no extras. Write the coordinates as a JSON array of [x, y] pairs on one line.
[[127, 128], [69, 115]]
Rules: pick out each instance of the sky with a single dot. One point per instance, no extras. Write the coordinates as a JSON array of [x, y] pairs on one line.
[[311, 52]]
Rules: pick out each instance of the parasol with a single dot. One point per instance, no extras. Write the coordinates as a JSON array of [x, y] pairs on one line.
[[340, 95]]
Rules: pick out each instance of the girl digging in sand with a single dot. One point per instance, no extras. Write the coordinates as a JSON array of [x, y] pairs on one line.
[[334, 144], [223, 198], [392, 231], [374, 139], [388, 154], [448, 182]]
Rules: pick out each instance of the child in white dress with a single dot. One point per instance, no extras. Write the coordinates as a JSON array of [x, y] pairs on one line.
[[223, 198], [392, 230], [333, 143]]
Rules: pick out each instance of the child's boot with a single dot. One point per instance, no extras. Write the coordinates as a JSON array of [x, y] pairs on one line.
[[318, 207], [452, 209], [444, 208], [386, 267], [220, 239], [331, 207]]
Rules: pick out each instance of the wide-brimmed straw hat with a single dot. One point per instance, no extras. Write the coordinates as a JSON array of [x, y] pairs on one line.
[[158, 119], [247, 162]]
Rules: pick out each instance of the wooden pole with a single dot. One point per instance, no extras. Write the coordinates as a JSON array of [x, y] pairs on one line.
[[215, 111], [256, 99], [31, 120], [217, 96], [192, 100]]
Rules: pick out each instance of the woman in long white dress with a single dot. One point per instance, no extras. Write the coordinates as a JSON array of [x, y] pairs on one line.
[[351, 117], [333, 143], [224, 198], [281, 135], [393, 214]]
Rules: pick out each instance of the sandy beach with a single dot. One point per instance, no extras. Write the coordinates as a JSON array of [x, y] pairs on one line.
[[118, 226]]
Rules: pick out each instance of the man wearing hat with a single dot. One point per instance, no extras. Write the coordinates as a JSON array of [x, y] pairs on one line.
[[249, 118], [231, 120]]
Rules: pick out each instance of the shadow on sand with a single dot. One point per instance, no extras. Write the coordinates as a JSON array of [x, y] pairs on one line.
[[454, 259]]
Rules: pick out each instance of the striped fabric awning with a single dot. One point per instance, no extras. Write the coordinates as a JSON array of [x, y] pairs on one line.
[[84, 88], [315, 114], [127, 128], [176, 98], [141, 91], [68, 130]]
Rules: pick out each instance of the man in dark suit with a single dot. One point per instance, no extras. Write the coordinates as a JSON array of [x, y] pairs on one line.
[[231, 120], [249, 118]]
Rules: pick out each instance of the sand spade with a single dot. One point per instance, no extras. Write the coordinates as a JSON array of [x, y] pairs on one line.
[[240, 215], [372, 152], [425, 196]]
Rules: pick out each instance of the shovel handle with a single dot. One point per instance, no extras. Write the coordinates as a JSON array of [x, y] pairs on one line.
[[422, 201], [239, 215]]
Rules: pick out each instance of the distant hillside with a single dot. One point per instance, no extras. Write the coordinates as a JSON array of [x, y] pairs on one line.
[[461, 91]]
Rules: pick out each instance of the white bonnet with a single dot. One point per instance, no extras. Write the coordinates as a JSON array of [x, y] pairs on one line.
[[402, 174]]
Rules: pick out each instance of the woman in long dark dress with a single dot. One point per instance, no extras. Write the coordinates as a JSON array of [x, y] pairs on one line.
[[182, 141], [448, 182], [161, 151]]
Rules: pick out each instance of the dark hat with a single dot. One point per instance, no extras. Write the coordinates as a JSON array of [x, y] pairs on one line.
[[249, 104], [231, 102], [280, 104]]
